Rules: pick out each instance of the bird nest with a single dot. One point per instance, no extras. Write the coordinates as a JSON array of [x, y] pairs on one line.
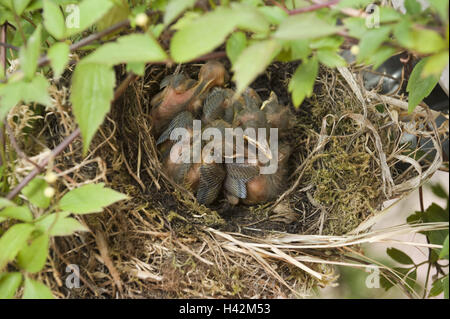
[[347, 160]]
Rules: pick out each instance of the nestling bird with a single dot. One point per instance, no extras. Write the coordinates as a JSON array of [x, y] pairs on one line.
[[183, 119], [180, 94], [277, 115], [267, 187], [180, 103], [204, 178], [245, 183], [218, 105]]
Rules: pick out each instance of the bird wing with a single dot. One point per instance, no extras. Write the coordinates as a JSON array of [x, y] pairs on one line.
[[242, 171], [212, 107], [211, 179], [236, 187], [183, 119]]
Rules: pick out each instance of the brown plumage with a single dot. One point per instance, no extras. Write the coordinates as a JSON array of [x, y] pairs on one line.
[[277, 115], [179, 103], [205, 178], [245, 183], [267, 187], [218, 105], [180, 94]]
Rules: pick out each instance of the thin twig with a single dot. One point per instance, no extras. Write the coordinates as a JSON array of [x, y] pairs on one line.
[[8, 46], [210, 56], [89, 39], [314, 7], [3, 47], [3, 64], [16, 147], [278, 5], [19, 25], [58, 149], [67, 141]]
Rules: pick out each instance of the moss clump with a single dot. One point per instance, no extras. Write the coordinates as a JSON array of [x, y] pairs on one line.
[[346, 186]]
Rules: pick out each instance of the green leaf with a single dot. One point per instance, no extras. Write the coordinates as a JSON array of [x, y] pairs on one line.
[[119, 12], [332, 42], [137, 68], [302, 82], [175, 8], [434, 41], [300, 49], [380, 55], [185, 20], [59, 57], [89, 198], [403, 33], [304, 26], [419, 87], [59, 224], [7, 4], [141, 48], [20, 6], [156, 29], [275, 15], [5, 203], [92, 93], [36, 90], [17, 212], [254, 3], [412, 6], [353, 4], [399, 256], [297, 4], [330, 58], [437, 190], [34, 191], [85, 14], [411, 279], [236, 43], [253, 61], [445, 285], [32, 257], [386, 282], [202, 35], [29, 55], [9, 283], [435, 64], [435, 213], [54, 19], [356, 27], [389, 15], [2, 72], [249, 18], [409, 276], [371, 41], [12, 241], [13, 93], [436, 288], [36, 290], [441, 7], [444, 251], [413, 38]]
